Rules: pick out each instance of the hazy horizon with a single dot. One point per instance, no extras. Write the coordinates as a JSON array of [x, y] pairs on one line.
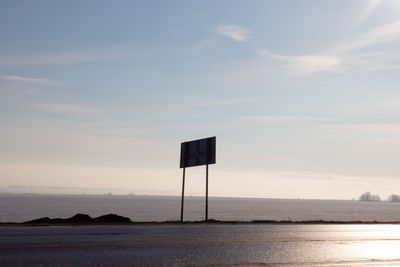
[[302, 96], [91, 191]]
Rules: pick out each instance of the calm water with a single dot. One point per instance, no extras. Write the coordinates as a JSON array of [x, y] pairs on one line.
[[199, 245], [20, 208]]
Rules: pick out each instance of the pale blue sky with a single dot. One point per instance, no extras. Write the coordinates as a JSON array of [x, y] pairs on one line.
[[303, 96]]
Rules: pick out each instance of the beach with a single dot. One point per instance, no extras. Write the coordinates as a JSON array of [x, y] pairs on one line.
[[201, 244], [242, 232]]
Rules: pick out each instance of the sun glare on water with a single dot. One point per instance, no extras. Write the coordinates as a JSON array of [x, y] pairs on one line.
[[378, 242]]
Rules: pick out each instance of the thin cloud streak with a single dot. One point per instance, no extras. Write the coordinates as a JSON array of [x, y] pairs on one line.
[[342, 57], [303, 64], [222, 102], [309, 63], [234, 32], [375, 36], [14, 78], [205, 104], [367, 11], [363, 127], [303, 123], [286, 119], [316, 124], [319, 176], [71, 57], [65, 109]]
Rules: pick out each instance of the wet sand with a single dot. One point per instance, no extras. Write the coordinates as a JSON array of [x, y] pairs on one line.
[[201, 244]]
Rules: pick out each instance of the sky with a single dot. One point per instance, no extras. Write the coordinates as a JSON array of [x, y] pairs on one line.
[[303, 96]]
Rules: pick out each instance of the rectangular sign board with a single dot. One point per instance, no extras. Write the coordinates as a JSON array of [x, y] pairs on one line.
[[198, 152]]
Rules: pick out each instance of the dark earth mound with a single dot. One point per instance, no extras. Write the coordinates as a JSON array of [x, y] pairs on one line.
[[82, 219], [112, 218]]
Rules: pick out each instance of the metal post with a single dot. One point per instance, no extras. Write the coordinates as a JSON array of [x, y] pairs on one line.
[[183, 194], [207, 192]]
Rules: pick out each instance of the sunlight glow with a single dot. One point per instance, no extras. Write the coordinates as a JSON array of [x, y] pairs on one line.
[[380, 242]]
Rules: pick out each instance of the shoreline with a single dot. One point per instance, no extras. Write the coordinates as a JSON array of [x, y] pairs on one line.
[[201, 222]]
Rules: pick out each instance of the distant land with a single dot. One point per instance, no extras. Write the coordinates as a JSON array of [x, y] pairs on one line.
[[28, 189]]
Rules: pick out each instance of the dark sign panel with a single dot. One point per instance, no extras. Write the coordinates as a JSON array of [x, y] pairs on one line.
[[198, 152]]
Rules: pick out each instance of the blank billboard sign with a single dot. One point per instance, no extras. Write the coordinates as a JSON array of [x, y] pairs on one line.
[[198, 152]]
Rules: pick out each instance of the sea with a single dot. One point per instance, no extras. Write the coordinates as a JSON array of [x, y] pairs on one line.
[[24, 207], [199, 244]]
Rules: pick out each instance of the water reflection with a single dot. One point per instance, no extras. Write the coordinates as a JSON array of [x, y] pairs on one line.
[[373, 242], [211, 244], [355, 245]]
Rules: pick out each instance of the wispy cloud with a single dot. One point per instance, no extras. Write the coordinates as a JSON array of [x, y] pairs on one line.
[[320, 124], [222, 102], [303, 64], [300, 174], [369, 7], [68, 57], [344, 56], [311, 63], [65, 109], [312, 175], [205, 104], [362, 127], [286, 120], [200, 46], [234, 32], [375, 36], [379, 105], [20, 79]]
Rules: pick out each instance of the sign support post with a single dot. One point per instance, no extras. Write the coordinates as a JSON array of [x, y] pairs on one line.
[[183, 193], [207, 192]]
